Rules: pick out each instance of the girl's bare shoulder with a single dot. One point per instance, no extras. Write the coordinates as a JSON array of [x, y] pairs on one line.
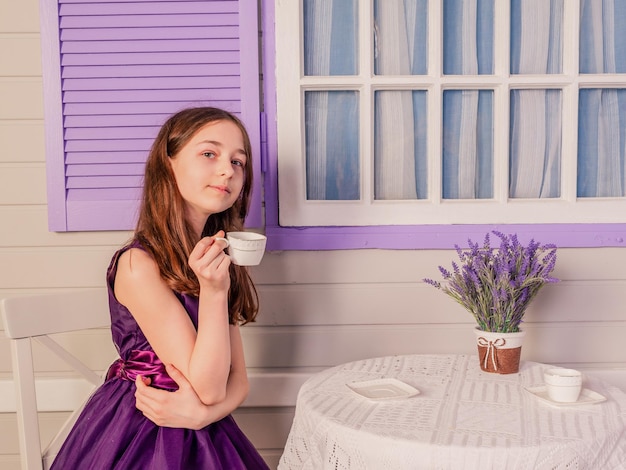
[[136, 268]]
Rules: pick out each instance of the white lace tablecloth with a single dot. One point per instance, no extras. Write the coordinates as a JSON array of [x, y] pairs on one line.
[[463, 418]]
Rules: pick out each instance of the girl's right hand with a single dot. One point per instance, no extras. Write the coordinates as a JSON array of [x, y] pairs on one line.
[[179, 409], [210, 264]]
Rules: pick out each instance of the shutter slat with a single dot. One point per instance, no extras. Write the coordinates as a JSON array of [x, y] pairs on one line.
[[143, 20], [168, 107], [101, 169], [191, 32], [104, 182], [150, 71], [156, 45], [103, 194], [112, 145], [135, 132], [150, 83], [114, 120], [154, 8], [95, 2], [152, 58], [76, 158], [125, 96]]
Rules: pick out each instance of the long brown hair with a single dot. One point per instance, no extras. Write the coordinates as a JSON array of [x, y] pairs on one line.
[[162, 228]]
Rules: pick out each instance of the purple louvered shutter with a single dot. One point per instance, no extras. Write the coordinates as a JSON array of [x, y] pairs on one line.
[[113, 72]]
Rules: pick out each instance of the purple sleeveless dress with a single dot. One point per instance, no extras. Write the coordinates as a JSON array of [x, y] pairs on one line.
[[112, 434]]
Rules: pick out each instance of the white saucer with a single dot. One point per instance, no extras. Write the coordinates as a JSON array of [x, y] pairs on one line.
[[587, 397], [383, 389]]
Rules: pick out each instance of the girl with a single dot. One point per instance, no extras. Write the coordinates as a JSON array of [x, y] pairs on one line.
[[176, 306]]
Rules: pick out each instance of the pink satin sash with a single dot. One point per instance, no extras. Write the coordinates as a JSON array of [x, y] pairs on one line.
[[146, 364]]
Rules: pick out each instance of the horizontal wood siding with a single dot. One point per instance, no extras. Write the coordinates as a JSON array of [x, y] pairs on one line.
[[322, 319]]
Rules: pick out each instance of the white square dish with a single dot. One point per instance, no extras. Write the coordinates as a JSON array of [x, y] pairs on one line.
[[383, 389], [587, 397]]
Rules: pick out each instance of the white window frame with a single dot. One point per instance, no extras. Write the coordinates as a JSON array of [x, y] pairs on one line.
[[296, 210]]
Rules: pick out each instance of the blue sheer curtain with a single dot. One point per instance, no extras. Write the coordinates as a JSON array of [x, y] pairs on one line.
[[400, 150], [602, 112], [467, 144], [536, 36], [467, 151], [468, 37], [400, 123], [601, 143], [535, 117], [535, 144], [331, 117], [330, 37], [332, 145], [400, 37]]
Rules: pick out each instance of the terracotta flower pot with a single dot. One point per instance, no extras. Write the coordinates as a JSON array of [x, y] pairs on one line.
[[499, 352]]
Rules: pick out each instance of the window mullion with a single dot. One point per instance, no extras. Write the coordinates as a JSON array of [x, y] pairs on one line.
[[366, 101], [571, 50], [569, 143], [571, 46], [502, 92], [290, 101], [501, 118], [435, 38], [502, 31], [435, 100]]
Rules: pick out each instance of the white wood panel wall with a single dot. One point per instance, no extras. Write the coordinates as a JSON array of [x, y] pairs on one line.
[[317, 309]]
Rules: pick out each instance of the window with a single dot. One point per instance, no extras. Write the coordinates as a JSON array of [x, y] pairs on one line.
[[421, 112], [113, 73]]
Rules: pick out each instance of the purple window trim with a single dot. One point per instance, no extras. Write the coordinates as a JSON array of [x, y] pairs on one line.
[[393, 237], [439, 236]]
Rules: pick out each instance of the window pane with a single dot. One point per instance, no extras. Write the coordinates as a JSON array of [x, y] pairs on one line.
[[332, 145], [467, 144], [601, 143], [536, 36], [400, 160], [468, 37], [535, 145], [400, 37], [602, 36], [330, 37]]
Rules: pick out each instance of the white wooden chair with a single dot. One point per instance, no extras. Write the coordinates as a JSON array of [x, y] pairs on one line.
[[34, 318]]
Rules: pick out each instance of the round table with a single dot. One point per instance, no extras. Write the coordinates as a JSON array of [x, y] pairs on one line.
[[462, 418]]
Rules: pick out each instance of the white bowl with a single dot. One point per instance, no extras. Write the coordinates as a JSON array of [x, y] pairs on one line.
[[564, 377], [563, 385]]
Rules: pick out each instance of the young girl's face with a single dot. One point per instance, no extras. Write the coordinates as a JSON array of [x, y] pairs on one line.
[[209, 170]]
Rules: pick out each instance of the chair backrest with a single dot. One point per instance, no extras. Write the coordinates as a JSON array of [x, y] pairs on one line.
[[34, 318]]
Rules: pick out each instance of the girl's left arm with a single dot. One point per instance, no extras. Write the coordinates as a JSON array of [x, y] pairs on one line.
[[183, 408]]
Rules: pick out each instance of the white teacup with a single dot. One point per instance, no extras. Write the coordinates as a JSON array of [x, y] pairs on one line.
[[563, 385], [245, 248]]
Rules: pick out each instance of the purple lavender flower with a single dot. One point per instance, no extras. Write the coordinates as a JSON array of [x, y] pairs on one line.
[[496, 284]]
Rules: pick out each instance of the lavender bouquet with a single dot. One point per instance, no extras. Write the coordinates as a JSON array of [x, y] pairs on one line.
[[496, 284]]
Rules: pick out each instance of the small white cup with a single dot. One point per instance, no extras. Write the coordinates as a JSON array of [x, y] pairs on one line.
[[246, 248], [563, 385]]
